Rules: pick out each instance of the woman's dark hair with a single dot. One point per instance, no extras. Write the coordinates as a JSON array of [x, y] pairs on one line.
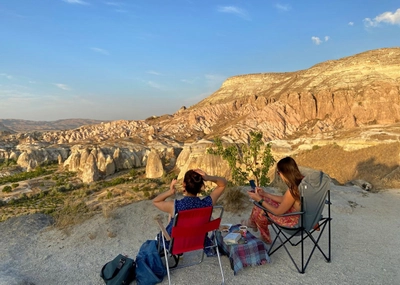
[[289, 169], [193, 182]]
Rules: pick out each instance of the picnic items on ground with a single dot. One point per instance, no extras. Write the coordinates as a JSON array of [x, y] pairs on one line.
[[232, 238], [120, 270], [243, 230], [250, 253]]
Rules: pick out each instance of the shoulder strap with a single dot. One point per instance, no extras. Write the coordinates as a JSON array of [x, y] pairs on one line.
[[121, 263]]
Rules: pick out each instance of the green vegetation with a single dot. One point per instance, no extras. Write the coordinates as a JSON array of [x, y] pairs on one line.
[[43, 202], [167, 178], [256, 162], [64, 196], [39, 171], [109, 195], [315, 147], [113, 182], [5, 163], [7, 189]]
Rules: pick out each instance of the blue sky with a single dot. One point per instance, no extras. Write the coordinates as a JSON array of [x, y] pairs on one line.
[[112, 60]]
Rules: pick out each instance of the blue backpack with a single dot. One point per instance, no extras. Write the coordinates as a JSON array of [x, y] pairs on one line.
[[150, 269]]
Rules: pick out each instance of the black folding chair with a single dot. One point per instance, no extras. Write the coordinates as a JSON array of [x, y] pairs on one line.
[[314, 195]]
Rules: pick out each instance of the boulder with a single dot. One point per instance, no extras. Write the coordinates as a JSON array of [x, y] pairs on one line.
[[90, 172], [154, 166]]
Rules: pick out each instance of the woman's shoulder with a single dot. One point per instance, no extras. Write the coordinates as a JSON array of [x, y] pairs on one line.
[[207, 199]]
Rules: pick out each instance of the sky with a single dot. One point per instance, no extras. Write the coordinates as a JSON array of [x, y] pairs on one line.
[[130, 60]]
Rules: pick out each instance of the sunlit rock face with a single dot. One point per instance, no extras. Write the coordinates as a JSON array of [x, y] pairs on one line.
[[348, 93], [154, 165]]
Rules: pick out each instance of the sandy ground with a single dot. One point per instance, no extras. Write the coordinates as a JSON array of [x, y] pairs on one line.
[[365, 247]]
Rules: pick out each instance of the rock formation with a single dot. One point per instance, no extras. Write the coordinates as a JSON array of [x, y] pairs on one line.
[[154, 166], [349, 93]]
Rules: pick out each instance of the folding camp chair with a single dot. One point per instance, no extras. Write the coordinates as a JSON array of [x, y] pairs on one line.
[[314, 194], [189, 231]]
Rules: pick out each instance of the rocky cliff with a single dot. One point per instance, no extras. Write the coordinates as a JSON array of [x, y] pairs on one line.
[[355, 91], [337, 95]]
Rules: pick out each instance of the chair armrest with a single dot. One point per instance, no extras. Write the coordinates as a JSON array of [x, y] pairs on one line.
[[283, 215], [162, 228], [220, 209]]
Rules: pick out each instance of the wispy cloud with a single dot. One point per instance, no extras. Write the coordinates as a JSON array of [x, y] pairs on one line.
[[8, 76], [188, 81], [386, 17], [318, 41], [235, 11], [153, 72], [351, 23], [118, 6], [214, 80], [100, 50], [282, 7], [188, 101], [154, 85], [115, 4], [16, 96], [62, 86], [80, 2]]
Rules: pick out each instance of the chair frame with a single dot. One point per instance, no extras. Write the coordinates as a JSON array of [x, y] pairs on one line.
[[211, 226], [286, 234]]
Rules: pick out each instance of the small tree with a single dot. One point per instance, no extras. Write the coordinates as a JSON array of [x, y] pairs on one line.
[[230, 154], [250, 156], [7, 189]]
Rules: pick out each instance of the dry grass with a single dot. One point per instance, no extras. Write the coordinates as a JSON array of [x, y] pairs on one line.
[[111, 234], [234, 200], [73, 212], [91, 236], [108, 211], [378, 165]]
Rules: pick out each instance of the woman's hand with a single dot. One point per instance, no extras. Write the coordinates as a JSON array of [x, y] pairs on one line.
[[172, 188], [256, 195], [202, 173]]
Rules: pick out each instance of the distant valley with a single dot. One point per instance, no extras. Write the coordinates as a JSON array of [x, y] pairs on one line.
[[341, 116], [14, 125]]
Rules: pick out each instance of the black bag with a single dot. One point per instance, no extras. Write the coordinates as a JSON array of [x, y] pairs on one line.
[[121, 270]]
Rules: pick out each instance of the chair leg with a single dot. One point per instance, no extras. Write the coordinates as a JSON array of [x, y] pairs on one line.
[[303, 236], [302, 252], [316, 242], [166, 260], [219, 260]]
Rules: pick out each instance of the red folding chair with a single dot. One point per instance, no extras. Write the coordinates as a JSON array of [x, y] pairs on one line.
[[189, 231]]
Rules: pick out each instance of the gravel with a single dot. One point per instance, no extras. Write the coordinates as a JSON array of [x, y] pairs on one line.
[[365, 247]]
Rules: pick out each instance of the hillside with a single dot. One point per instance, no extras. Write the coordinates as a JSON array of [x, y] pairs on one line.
[[29, 126], [340, 116], [352, 92]]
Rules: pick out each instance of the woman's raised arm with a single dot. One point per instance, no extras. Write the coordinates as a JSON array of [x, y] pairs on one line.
[[220, 181]]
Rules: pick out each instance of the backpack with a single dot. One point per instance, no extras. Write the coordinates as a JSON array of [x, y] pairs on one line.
[[150, 269], [120, 270]]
